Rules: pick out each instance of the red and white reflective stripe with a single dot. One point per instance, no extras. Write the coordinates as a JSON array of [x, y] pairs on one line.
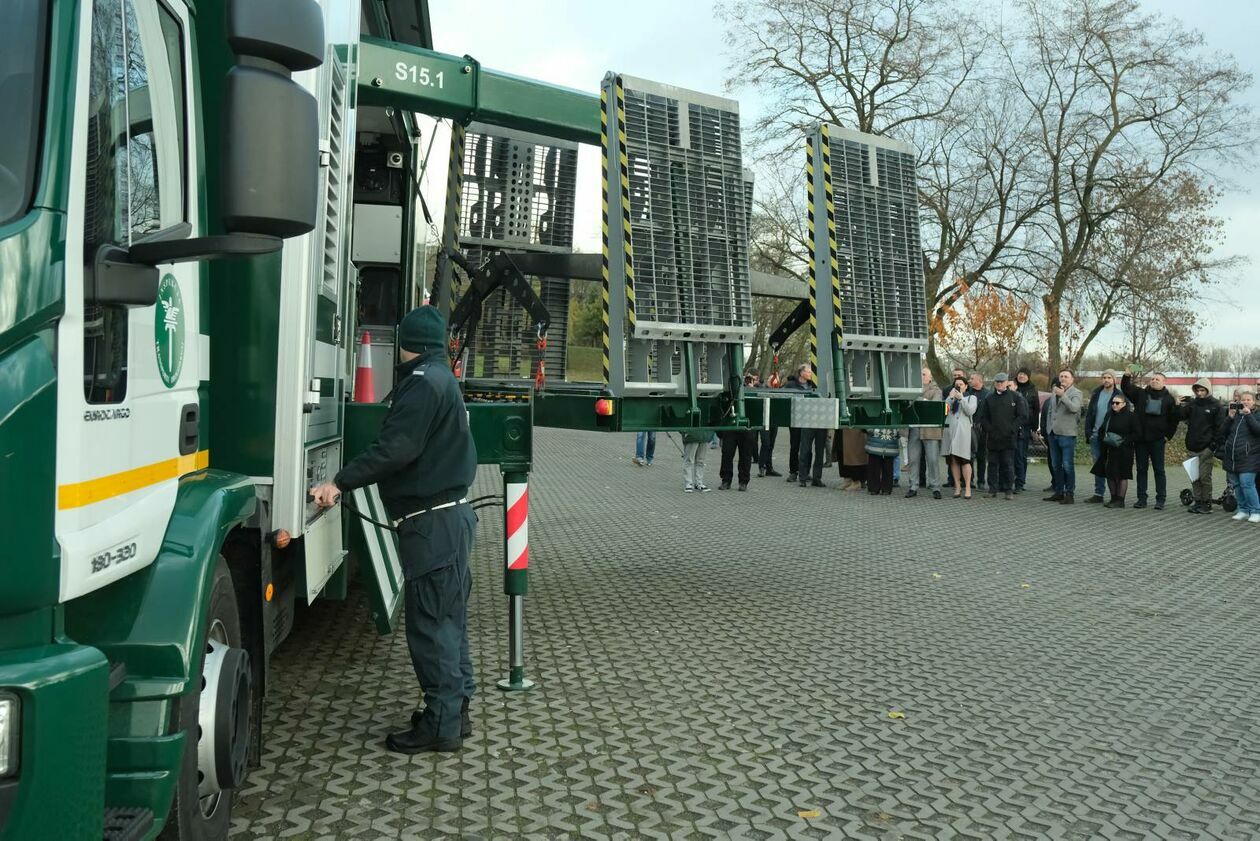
[[517, 525]]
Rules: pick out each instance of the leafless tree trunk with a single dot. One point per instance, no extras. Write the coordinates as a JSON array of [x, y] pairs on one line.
[[1121, 102]]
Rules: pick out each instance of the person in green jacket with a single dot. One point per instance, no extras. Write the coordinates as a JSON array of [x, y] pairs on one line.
[[423, 462]]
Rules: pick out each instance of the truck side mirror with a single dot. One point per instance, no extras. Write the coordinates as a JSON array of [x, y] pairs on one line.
[[270, 137], [271, 126]]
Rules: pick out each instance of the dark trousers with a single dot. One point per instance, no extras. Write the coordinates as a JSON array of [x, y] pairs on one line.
[[813, 454], [434, 550], [1152, 453], [979, 458], [765, 457], [879, 474], [1021, 458], [794, 449], [1001, 471], [744, 443]]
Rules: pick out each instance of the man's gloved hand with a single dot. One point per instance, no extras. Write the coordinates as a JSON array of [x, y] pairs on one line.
[[325, 495]]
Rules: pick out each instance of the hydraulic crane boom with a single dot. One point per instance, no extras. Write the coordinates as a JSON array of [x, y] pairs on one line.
[[443, 85]]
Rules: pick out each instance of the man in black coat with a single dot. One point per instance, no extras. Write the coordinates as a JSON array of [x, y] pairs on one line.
[[423, 461], [1157, 424], [979, 449], [795, 382], [1001, 415], [1204, 416], [1027, 390]]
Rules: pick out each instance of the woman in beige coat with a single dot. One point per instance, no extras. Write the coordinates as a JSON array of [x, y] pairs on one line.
[[959, 409]]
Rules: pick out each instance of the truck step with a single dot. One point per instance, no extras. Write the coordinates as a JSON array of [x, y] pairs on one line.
[[127, 824]]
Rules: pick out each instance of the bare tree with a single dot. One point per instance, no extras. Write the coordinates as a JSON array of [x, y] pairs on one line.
[[905, 68], [1122, 102], [1151, 264], [874, 65]]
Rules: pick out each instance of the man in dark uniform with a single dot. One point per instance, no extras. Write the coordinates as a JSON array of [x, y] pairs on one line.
[[423, 462]]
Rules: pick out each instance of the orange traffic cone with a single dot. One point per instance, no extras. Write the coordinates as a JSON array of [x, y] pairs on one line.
[[364, 390]]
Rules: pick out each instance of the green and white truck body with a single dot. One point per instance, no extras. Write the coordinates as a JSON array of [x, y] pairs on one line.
[[177, 323]]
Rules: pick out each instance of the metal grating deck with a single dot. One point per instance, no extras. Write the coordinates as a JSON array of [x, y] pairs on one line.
[[877, 237], [688, 208], [517, 194]]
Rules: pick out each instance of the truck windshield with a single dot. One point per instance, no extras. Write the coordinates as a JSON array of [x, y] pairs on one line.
[[23, 44]]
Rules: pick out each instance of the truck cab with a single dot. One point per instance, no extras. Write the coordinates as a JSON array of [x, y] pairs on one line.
[[128, 697]]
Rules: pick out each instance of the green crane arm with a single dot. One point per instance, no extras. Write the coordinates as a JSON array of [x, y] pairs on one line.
[[442, 85]]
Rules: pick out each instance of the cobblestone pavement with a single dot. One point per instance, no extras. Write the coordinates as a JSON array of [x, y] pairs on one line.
[[789, 663]]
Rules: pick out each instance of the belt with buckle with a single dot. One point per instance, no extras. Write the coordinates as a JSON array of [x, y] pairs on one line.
[[402, 520]]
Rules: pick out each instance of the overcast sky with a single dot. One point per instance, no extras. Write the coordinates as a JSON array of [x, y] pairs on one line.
[[574, 43]]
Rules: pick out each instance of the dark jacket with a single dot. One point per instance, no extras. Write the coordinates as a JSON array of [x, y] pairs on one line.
[[1091, 413], [1028, 391], [1161, 424], [1240, 452], [424, 454], [1047, 417], [1001, 415], [1115, 460], [1204, 418]]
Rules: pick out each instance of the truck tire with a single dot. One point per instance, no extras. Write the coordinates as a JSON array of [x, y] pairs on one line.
[[215, 713]]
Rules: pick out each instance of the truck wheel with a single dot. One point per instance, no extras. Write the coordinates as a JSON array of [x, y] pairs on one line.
[[216, 715]]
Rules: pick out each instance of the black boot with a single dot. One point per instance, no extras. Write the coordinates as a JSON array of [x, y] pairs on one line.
[[421, 739], [465, 720]]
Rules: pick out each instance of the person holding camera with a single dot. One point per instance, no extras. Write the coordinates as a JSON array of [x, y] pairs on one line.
[[1068, 403], [1157, 424], [1115, 443], [1203, 415], [1241, 455], [960, 407]]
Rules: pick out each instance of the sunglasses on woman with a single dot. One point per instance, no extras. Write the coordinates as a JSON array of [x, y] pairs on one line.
[[1117, 402]]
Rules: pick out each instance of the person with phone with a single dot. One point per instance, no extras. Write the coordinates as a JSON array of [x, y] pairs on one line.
[[960, 408], [1241, 454], [1068, 403]]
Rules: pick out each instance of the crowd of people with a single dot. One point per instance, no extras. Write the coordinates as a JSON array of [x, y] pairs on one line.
[[989, 431]]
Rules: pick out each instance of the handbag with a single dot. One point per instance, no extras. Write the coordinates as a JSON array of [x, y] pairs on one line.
[[1113, 439]]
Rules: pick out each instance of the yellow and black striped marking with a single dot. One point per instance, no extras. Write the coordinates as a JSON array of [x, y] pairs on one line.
[[625, 201], [603, 153], [813, 269], [454, 197], [829, 196]]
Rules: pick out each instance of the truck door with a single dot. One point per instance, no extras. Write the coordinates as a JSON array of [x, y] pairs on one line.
[[127, 422]]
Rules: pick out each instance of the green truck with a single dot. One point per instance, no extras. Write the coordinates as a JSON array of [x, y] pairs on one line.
[[209, 219], [179, 316]]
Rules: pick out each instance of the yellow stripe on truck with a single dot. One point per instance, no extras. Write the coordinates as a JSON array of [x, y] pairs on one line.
[[80, 494]]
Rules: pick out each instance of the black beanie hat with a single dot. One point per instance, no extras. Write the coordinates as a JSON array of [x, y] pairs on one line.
[[424, 328]]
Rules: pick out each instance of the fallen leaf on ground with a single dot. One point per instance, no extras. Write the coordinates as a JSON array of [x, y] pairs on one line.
[[809, 813], [896, 714]]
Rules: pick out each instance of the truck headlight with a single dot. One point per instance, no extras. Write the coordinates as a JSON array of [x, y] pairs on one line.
[[10, 727]]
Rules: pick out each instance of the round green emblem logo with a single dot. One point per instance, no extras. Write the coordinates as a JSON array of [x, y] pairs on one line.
[[168, 330]]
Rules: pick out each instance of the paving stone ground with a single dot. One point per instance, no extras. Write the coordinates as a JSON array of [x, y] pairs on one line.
[[789, 663]]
